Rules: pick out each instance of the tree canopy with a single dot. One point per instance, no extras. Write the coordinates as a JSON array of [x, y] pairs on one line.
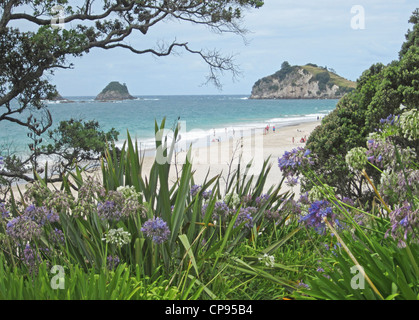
[[380, 91], [29, 58]]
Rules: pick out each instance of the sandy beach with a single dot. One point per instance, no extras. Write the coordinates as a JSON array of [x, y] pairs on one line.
[[217, 157], [255, 146]]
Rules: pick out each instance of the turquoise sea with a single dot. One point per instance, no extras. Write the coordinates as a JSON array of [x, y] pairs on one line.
[[211, 115]]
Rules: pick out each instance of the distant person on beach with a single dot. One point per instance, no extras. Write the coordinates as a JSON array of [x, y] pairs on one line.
[[292, 139], [273, 129]]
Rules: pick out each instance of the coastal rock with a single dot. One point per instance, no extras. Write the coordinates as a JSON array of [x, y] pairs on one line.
[[114, 91], [57, 98], [302, 82]]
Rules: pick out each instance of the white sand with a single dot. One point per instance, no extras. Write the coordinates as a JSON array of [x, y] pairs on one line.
[[258, 146]]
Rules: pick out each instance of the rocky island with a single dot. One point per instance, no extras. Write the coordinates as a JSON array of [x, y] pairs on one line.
[[302, 82], [114, 91]]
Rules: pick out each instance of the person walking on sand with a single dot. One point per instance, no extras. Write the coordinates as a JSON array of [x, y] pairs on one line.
[[273, 129], [292, 139]]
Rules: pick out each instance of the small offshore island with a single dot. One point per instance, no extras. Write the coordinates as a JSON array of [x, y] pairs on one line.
[[114, 91], [302, 82]]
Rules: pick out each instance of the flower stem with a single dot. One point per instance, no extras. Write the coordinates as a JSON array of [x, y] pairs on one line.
[[376, 191], [353, 258]]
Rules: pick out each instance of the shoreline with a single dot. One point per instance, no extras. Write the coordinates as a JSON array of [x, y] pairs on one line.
[[257, 147], [215, 158]]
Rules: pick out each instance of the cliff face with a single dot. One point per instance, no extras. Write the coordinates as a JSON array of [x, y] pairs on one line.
[[114, 91], [301, 82]]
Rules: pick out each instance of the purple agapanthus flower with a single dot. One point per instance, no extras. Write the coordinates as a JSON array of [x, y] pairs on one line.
[[195, 189], [108, 210], [31, 259], [318, 211], [391, 119], [404, 220], [4, 213], [41, 215], [56, 237], [156, 229], [261, 200], [207, 194], [292, 162], [245, 216], [112, 262], [221, 210], [22, 228]]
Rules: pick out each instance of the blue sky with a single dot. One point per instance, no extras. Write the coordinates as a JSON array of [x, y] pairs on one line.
[[299, 32]]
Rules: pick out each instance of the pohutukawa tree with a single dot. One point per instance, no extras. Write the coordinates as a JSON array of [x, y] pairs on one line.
[[29, 57]]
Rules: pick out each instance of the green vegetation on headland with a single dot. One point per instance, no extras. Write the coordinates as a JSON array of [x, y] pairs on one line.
[[302, 82], [352, 234]]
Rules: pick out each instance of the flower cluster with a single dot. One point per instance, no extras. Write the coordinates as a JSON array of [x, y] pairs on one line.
[[304, 199], [272, 215], [232, 200], [195, 190], [397, 185], [261, 200], [56, 237], [207, 194], [409, 123], [109, 210], [320, 192], [119, 237], [156, 229], [116, 206], [22, 228], [356, 158], [36, 193], [60, 201], [268, 260], [30, 224], [390, 120], [4, 213], [381, 152], [221, 211], [290, 208], [245, 217], [41, 214], [87, 195], [293, 162], [112, 262], [246, 200], [31, 259], [318, 211], [404, 222], [129, 192]]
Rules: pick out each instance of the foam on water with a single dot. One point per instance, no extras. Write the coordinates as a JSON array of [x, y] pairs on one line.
[[201, 116]]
